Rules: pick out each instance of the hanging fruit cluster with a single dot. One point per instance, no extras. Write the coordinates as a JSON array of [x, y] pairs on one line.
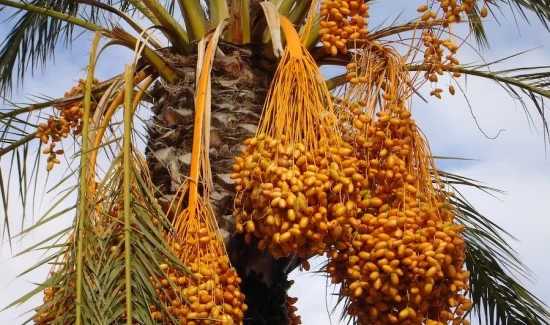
[[342, 21], [453, 12], [70, 121], [74, 112], [437, 61], [44, 131], [403, 263], [291, 175], [212, 291], [288, 196]]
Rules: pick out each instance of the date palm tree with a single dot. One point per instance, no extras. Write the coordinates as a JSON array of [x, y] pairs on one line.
[[96, 117]]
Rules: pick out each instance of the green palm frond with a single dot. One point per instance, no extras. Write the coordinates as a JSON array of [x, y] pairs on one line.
[[19, 162], [146, 248], [496, 292], [218, 10], [35, 37], [20, 150], [541, 8], [171, 28], [476, 26], [300, 11], [133, 23], [103, 268], [117, 228], [195, 18]]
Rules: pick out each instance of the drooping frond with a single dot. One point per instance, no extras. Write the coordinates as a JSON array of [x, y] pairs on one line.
[[117, 243], [496, 292], [20, 149], [476, 26], [104, 279], [34, 37], [540, 7]]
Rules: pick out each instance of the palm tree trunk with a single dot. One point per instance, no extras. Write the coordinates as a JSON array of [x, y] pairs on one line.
[[239, 88]]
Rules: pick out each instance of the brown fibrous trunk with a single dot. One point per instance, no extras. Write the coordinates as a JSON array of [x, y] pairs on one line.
[[239, 89]]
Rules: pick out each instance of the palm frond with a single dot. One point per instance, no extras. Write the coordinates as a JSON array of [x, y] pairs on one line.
[[103, 268], [129, 20], [133, 6], [539, 7], [195, 18], [218, 10], [171, 28], [39, 27], [476, 26], [19, 162], [284, 6], [20, 150], [496, 292], [298, 15], [95, 256]]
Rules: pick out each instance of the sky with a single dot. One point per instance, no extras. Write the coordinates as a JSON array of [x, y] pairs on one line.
[[514, 162]]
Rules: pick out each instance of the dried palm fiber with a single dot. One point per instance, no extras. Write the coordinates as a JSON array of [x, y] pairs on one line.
[[403, 263], [285, 175], [212, 294]]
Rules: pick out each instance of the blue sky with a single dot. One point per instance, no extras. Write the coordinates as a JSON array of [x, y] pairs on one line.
[[514, 162]]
